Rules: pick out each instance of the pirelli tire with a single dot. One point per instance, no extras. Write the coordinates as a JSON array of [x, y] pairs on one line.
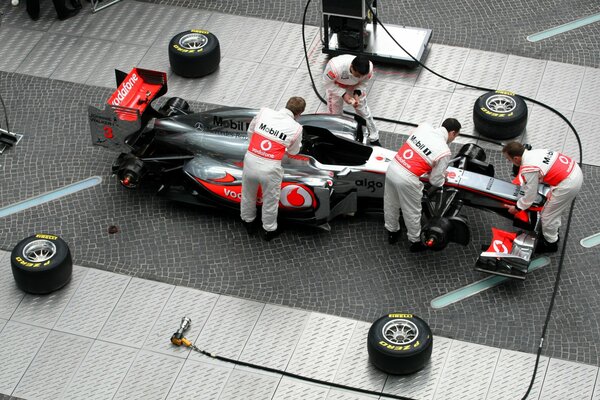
[[41, 263], [399, 344], [194, 53], [500, 115]]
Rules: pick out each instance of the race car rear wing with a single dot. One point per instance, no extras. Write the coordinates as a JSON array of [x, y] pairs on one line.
[[127, 110]]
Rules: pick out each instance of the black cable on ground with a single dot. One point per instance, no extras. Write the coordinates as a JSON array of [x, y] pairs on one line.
[[5, 114], [569, 219], [295, 376], [551, 109]]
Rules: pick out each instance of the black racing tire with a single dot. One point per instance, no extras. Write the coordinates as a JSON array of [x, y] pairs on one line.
[[194, 53], [41, 263], [500, 115], [436, 233], [399, 343]]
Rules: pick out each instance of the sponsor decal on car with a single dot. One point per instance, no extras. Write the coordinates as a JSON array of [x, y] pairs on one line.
[[293, 195], [124, 89], [231, 124], [370, 185]]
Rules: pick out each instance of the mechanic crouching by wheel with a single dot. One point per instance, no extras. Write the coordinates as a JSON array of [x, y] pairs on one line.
[[346, 79], [271, 134], [558, 171], [425, 151]]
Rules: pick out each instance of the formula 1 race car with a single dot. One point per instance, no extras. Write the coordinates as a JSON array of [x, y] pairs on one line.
[[197, 158]]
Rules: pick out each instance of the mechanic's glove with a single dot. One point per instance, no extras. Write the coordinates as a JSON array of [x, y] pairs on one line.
[[433, 190], [515, 170]]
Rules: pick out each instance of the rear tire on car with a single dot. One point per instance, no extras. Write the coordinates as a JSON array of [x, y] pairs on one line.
[[400, 344], [41, 263], [194, 53], [500, 115]]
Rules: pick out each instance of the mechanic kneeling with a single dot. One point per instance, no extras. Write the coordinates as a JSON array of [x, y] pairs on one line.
[[552, 168], [271, 134], [425, 151]]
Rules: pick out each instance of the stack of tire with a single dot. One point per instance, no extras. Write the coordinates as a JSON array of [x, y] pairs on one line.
[[41, 263], [500, 115]]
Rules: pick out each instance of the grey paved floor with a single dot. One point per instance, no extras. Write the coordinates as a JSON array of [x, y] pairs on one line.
[[349, 272], [499, 26], [106, 336]]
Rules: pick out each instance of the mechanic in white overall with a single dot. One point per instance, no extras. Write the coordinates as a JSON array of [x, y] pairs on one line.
[[345, 78], [552, 168], [271, 134], [425, 151]]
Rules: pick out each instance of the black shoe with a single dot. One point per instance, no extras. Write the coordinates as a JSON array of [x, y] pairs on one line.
[[417, 247], [67, 14], [544, 246], [250, 227], [33, 9], [393, 236], [268, 235], [375, 143]]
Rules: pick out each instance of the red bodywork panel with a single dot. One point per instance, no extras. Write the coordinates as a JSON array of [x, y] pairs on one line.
[[137, 91], [502, 241]]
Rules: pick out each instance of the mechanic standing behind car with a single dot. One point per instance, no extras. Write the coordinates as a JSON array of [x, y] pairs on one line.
[[425, 151], [554, 169], [271, 134], [346, 79]]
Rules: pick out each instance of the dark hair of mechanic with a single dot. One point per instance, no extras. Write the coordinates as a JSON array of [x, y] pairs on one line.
[[513, 149], [451, 124], [296, 105], [361, 64]]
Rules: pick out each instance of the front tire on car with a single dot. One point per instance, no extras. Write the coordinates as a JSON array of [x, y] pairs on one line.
[[194, 53], [41, 263], [500, 115], [399, 344]]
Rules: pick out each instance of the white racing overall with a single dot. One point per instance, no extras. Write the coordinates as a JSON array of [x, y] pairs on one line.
[[554, 169], [425, 151], [271, 134], [338, 80]]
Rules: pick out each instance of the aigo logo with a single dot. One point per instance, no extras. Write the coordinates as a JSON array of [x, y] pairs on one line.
[[294, 196]]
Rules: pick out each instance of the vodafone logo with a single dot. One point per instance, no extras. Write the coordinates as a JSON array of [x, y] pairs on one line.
[[126, 86], [294, 196], [563, 159], [499, 247], [408, 154], [266, 145]]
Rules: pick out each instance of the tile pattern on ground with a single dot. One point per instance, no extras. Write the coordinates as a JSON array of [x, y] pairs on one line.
[[44, 310], [134, 315], [53, 366]]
